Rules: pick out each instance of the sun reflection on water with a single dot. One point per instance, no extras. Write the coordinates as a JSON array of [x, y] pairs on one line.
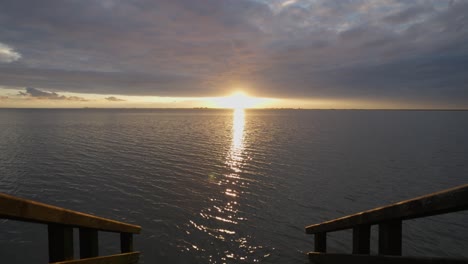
[[235, 156], [238, 130], [224, 219]]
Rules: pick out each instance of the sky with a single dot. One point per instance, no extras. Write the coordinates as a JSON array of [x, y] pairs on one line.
[[188, 53]]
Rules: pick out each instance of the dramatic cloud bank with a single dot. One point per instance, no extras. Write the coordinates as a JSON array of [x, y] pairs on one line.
[[363, 49]]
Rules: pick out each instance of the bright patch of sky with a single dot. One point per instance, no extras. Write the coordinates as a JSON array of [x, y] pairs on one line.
[[8, 54]]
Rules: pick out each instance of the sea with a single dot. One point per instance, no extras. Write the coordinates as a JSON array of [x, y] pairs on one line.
[[231, 186]]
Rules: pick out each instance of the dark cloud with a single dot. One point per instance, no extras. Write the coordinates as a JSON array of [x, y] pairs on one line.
[[114, 99], [410, 14], [36, 93], [322, 48]]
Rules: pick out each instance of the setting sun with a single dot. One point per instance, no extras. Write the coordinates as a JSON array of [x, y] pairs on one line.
[[239, 100]]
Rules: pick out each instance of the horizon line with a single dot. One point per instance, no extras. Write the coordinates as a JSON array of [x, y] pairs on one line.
[[214, 108]]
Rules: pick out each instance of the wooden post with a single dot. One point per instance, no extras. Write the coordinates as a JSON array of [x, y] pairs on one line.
[[60, 242], [320, 242], [89, 246], [126, 242], [390, 241], [361, 239]]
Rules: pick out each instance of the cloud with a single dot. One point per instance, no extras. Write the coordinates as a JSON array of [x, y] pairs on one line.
[[7, 54], [410, 14], [278, 48], [36, 93], [114, 99], [288, 2]]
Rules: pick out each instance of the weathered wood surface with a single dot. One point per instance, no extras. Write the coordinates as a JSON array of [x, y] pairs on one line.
[[451, 200], [30, 211], [328, 258], [390, 238], [89, 243], [126, 242], [320, 241], [60, 239], [125, 258], [361, 239]]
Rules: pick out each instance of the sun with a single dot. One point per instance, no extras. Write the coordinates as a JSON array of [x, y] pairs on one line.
[[238, 100]]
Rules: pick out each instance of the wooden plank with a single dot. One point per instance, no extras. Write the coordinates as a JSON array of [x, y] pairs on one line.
[[126, 242], [451, 200], [327, 258], [390, 241], [60, 240], [126, 258], [30, 211], [361, 239], [320, 242], [89, 243]]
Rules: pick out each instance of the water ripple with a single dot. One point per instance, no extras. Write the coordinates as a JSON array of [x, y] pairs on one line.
[[223, 187]]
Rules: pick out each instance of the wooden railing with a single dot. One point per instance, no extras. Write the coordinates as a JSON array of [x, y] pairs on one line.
[[389, 220], [60, 224]]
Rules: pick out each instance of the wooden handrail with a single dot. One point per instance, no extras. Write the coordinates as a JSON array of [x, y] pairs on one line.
[[127, 258], [60, 223], [326, 258], [451, 200], [389, 220], [30, 211]]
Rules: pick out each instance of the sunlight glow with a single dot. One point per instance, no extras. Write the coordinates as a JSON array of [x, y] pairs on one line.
[[240, 100]]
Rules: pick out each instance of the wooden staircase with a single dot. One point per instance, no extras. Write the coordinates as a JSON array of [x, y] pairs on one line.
[[389, 220], [60, 223]]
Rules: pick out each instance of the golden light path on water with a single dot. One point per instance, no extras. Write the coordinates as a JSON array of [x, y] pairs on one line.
[[234, 157], [235, 154], [223, 218]]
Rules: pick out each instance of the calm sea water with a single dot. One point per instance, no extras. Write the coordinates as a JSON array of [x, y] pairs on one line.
[[219, 186]]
